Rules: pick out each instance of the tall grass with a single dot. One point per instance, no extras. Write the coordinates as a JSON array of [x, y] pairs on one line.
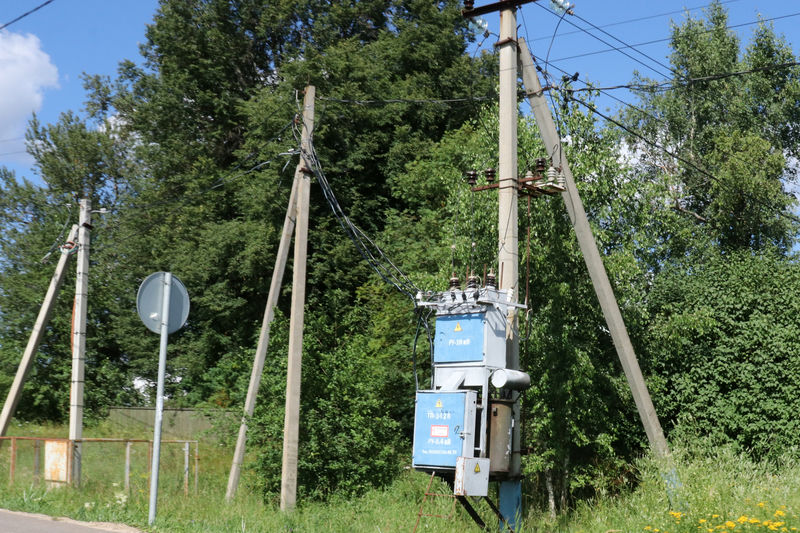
[[720, 491]]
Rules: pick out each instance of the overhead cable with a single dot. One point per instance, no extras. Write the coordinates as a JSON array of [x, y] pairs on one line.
[[674, 155], [620, 50], [638, 19], [34, 10], [666, 39]]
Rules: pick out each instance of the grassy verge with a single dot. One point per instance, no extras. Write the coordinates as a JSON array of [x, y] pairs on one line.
[[719, 491]]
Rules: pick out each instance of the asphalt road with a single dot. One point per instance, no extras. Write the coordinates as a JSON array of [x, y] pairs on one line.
[[14, 522]]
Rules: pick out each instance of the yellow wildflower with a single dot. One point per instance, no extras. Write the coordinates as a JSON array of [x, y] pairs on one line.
[[742, 519]]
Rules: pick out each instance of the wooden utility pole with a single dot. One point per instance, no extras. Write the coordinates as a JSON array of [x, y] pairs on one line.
[[79, 339], [510, 494], [35, 339], [263, 339], [591, 255], [291, 427]]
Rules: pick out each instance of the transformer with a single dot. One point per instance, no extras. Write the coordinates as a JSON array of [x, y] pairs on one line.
[[452, 424]]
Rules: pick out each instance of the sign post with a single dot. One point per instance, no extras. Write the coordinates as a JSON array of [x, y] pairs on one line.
[[164, 311]]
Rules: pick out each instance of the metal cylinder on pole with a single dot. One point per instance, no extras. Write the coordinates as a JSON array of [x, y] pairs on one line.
[[291, 427], [162, 365], [79, 338]]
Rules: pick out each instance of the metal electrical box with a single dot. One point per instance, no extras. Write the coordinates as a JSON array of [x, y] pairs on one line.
[[470, 328], [444, 428], [459, 338], [472, 477]]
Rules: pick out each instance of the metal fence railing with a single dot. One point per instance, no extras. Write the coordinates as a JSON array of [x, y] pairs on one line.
[[123, 462]]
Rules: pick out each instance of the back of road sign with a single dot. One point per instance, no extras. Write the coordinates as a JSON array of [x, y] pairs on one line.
[[148, 303]]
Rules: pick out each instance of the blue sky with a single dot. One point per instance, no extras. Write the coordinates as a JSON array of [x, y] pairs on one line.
[[43, 55]]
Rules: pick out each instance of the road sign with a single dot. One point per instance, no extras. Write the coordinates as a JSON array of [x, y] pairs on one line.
[[149, 303]]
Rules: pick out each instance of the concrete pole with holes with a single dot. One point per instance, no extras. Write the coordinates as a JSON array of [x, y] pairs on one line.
[[79, 339], [508, 253], [263, 340], [591, 256], [35, 339], [291, 427]]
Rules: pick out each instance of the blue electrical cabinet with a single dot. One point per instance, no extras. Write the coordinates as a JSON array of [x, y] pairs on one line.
[[444, 428], [459, 338]]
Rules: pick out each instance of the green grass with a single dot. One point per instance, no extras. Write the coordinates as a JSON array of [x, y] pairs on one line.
[[720, 491]]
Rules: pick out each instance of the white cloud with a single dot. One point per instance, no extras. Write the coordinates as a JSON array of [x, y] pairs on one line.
[[25, 71]]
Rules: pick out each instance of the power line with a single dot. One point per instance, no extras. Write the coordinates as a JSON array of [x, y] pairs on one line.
[[638, 19], [664, 86], [620, 50], [674, 155], [443, 101], [656, 61], [666, 39], [608, 94], [34, 10]]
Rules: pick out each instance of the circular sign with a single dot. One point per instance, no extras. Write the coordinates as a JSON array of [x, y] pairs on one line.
[[149, 303]]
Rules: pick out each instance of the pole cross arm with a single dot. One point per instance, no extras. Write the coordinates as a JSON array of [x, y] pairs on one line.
[[470, 12]]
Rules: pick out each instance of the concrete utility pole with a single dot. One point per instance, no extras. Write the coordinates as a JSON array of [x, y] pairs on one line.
[[263, 339], [591, 255], [510, 494], [291, 427], [79, 339], [35, 339]]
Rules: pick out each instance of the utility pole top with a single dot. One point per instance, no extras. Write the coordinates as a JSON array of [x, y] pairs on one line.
[[469, 11]]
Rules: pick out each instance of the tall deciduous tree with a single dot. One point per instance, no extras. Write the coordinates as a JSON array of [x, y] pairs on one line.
[[731, 117]]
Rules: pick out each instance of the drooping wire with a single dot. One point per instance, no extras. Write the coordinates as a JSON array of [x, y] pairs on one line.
[[371, 252], [674, 155], [57, 243]]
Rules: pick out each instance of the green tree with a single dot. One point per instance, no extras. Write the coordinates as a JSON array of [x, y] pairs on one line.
[[724, 345], [735, 134]]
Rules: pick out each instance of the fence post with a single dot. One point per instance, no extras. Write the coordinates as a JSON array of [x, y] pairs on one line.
[[186, 468], [196, 463], [127, 466], [37, 444], [13, 460], [149, 460]]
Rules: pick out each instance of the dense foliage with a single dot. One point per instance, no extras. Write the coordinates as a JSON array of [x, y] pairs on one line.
[[192, 153]]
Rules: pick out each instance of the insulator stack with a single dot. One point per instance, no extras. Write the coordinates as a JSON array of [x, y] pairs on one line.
[[491, 280]]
